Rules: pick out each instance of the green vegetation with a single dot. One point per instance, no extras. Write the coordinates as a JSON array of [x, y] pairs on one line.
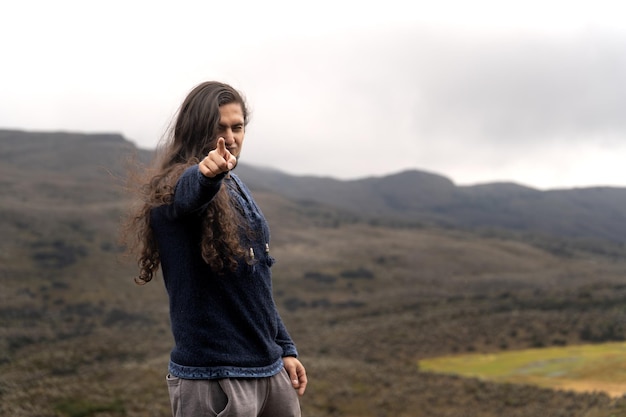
[[85, 408], [583, 367]]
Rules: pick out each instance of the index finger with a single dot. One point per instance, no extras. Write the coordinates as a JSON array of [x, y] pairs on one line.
[[221, 146]]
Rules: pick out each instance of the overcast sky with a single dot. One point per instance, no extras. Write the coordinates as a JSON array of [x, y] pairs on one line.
[[532, 92]]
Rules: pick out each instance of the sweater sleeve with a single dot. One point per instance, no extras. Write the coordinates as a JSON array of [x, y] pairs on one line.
[[193, 192], [284, 340]]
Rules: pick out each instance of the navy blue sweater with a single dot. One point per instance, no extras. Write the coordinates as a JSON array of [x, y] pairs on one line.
[[223, 325]]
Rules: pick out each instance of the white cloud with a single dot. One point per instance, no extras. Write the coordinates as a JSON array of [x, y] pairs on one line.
[[479, 91]]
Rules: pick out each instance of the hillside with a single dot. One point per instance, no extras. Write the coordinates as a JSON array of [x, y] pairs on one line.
[[417, 197], [406, 198], [364, 300]]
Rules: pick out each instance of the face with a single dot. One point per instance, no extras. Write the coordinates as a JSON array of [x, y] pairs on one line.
[[232, 127]]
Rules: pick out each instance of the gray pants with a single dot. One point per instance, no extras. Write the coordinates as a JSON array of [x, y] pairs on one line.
[[236, 397]]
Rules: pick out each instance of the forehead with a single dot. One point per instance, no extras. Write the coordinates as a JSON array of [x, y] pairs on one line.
[[231, 113]]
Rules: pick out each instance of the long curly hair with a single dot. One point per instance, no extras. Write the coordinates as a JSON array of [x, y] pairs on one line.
[[191, 138]]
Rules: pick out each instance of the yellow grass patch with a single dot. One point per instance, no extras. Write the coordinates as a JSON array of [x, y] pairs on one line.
[[583, 368]]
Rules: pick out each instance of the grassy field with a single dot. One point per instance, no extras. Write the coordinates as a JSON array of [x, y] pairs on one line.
[[584, 368]]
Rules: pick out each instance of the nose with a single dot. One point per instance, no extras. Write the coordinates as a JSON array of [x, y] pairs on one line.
[[229, 137]]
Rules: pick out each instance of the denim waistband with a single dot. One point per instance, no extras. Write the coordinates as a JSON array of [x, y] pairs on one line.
[[220, 372]]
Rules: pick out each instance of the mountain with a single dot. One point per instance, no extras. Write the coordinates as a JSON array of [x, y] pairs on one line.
[[410, 197], [417, 197]]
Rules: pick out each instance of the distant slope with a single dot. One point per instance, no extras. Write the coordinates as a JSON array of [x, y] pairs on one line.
[[420, 197], [71, 153], [410, 197]]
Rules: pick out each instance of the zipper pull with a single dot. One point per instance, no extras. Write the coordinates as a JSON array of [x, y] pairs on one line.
[[267, 248]]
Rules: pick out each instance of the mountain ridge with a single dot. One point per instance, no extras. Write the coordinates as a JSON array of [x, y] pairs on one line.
[[409, 197], [420, 197]]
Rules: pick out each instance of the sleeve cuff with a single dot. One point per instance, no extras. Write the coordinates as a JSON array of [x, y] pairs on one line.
[[210, 182], [290, 351]]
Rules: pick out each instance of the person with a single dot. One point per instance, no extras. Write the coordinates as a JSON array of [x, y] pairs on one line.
[[198, 222]]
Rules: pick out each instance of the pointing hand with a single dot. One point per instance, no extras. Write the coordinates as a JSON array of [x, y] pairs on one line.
[[219, 160]]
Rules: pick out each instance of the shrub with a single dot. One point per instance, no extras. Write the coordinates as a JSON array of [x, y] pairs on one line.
[[361, 273], [86, 408]]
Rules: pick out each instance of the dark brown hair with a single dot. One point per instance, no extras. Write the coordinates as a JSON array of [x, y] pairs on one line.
[[192, 137]]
